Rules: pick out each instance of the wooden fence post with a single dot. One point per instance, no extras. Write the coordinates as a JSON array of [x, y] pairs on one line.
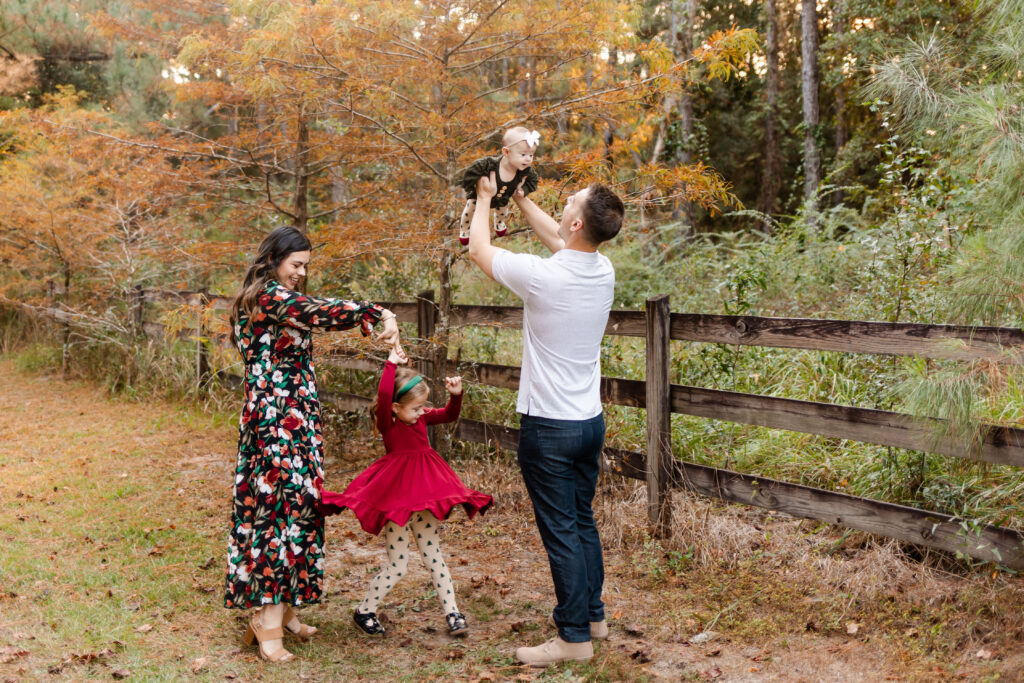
[[202, 359], [426, 321], [659, 437]]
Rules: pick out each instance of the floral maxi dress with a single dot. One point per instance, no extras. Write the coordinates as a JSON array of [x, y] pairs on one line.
[[275, 550]]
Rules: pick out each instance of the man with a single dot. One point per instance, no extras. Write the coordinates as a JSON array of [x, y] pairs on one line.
[[566, 300]]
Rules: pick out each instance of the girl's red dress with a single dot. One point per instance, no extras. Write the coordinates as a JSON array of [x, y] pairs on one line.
[[411, 476]]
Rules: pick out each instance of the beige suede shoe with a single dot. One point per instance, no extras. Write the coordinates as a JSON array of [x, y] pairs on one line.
[[554, 651], [598, 629]]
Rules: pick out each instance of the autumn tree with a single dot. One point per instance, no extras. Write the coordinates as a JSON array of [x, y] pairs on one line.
[[83, 224], [356, 118]]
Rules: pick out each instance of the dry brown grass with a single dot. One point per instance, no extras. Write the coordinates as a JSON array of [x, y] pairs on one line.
[[134, 536]]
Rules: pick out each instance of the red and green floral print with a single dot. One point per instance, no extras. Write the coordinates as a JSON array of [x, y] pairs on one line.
[[275, 550]]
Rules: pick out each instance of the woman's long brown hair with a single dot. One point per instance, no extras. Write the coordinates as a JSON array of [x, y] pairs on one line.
[[275, 248]]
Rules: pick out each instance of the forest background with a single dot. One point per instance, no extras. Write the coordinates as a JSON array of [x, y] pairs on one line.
[[855, 159]]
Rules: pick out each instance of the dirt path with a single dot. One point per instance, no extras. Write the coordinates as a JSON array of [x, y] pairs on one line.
[[113, 528]]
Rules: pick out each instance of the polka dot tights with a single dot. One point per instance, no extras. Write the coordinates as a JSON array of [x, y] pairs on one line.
[[423, 530]]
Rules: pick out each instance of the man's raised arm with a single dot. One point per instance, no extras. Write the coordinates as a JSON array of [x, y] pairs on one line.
[[481, 251], [544, 225]]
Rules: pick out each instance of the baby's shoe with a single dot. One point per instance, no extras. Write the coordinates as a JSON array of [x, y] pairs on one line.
[[456, 623], [368, 622]]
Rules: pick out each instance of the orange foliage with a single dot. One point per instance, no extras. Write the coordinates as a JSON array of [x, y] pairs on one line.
[[351, 118], [84, 214]]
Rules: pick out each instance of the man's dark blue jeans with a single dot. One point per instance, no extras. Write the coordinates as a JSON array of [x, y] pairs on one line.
[[560, 460]]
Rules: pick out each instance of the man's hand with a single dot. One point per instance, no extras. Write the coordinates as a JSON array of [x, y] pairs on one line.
[[453, 385], [519, 194], [486, 187]]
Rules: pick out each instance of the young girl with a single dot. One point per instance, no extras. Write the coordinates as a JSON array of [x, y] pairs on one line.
[[409, 490]]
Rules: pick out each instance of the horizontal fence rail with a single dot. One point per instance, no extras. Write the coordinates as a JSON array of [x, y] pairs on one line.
[[659, 468], [908, 524]]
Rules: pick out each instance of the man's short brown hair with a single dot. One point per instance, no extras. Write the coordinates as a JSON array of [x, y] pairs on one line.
[[602, 214]]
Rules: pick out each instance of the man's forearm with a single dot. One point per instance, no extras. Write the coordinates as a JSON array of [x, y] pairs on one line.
[[480, 249], [544, 225]]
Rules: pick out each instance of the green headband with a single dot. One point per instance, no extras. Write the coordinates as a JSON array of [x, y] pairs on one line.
[[407, 386]]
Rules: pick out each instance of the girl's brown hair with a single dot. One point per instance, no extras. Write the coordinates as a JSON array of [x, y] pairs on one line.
[[275, 248], [402, 375]]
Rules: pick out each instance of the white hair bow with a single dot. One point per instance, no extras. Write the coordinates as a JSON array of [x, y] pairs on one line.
[[532, 138]]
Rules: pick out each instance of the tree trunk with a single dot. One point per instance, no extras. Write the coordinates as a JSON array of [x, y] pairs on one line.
[[300, 202], [767, 201], [809, 77], [65, 349], [842, 135], [523, 87], [683, 211]]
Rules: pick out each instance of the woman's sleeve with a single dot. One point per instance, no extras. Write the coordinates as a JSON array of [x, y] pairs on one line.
[[305, 312], [450, 413], [385, 392], [531, 182]]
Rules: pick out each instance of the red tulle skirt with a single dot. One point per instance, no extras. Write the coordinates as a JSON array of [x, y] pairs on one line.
[[401, 483]]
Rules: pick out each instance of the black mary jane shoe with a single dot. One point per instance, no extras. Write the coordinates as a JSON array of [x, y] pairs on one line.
[[456, 623], [368, 623]]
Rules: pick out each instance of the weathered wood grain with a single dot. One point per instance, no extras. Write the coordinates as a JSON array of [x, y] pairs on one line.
[[659, 416], [852, 336], [1002, 445]]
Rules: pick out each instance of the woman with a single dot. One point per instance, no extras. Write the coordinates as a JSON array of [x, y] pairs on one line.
[[275, 552]]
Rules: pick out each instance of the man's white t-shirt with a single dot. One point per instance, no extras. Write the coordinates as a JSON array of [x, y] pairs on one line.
[[566, 300]]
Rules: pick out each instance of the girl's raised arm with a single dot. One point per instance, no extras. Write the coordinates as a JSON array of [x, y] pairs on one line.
[[450, 413], [385, 397]]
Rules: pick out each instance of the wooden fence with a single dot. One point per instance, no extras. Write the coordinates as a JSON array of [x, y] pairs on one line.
[[660, 398]]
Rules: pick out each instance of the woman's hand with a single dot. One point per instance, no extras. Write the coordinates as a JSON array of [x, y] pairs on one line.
[[389, 335], [397, 356], [453, 385]]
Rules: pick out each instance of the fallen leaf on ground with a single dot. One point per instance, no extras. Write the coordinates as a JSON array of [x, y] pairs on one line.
[[704, 637], [9, 653], [852, 627], [145, 628], [198, 665], [713, 672], [984, 653], [713, 653], [634, 629], [121, 673]]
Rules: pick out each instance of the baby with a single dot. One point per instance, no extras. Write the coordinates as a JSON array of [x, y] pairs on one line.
[[514, 166]]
